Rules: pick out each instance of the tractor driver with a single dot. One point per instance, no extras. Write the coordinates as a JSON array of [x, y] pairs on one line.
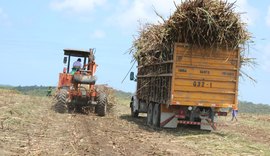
[[76, 66]]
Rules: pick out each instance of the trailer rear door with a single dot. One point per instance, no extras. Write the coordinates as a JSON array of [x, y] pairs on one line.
[[205, 77]]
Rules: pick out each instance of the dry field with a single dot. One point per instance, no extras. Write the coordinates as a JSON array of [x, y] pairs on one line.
[[28, 126]]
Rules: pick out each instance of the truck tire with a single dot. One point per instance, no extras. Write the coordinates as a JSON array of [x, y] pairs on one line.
[[156, 115], [134, 113], [150, 114], [61, 104], [101, 107]]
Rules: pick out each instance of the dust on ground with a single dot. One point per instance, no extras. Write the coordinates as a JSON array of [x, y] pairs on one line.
[[30, 127]]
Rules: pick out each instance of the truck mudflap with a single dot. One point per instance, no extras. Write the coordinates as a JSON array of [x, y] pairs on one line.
[[207, 124], [168, 120]]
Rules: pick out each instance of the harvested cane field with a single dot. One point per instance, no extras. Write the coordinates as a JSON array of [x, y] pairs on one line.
[[30, 127]]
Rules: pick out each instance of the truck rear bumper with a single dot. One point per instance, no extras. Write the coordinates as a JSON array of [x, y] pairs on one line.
[[171, 120]]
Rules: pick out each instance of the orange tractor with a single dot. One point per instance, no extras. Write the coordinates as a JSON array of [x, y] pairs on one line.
[[76, 87]]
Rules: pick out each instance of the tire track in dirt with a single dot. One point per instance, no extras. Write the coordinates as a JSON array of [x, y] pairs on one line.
[[119, 134]]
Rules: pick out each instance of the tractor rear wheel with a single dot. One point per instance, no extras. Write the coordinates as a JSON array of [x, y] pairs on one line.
[[61, 104], [101, 107]]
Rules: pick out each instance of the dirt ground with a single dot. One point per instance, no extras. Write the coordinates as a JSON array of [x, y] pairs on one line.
[[30, 127]]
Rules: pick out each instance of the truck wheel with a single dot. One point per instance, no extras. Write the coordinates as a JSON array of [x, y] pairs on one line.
[[61, 104], [134, 113], [156, 115], [150, 114], [101, 105]]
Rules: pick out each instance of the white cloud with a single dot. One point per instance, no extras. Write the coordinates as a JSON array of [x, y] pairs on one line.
[[98, 34], [76, 6], [268, 17], [250, 13], [4, 19], [129, 13]]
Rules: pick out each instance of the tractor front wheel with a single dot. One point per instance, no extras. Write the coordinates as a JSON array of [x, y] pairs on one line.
[[101, 107]]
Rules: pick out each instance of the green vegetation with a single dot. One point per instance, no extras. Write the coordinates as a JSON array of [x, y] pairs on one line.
[[122, 97], [6, 87], [33, 90], [249, 107], [29, 90]]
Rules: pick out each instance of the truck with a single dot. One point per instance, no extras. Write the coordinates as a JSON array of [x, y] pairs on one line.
[[192, 86]]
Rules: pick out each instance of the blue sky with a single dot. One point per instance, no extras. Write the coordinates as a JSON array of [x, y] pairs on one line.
[[34, 33]]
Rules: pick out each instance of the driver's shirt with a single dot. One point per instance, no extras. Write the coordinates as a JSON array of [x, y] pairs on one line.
[[77, 64]]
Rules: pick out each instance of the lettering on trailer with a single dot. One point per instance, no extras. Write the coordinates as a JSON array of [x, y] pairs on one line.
[[206, 72], [228, 73], [182, 70], [202, 84]]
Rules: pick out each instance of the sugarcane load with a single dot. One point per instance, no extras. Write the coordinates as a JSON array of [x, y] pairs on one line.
[[204, 23]]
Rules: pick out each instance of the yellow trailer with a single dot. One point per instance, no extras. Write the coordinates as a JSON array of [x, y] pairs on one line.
[[190, 87]]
